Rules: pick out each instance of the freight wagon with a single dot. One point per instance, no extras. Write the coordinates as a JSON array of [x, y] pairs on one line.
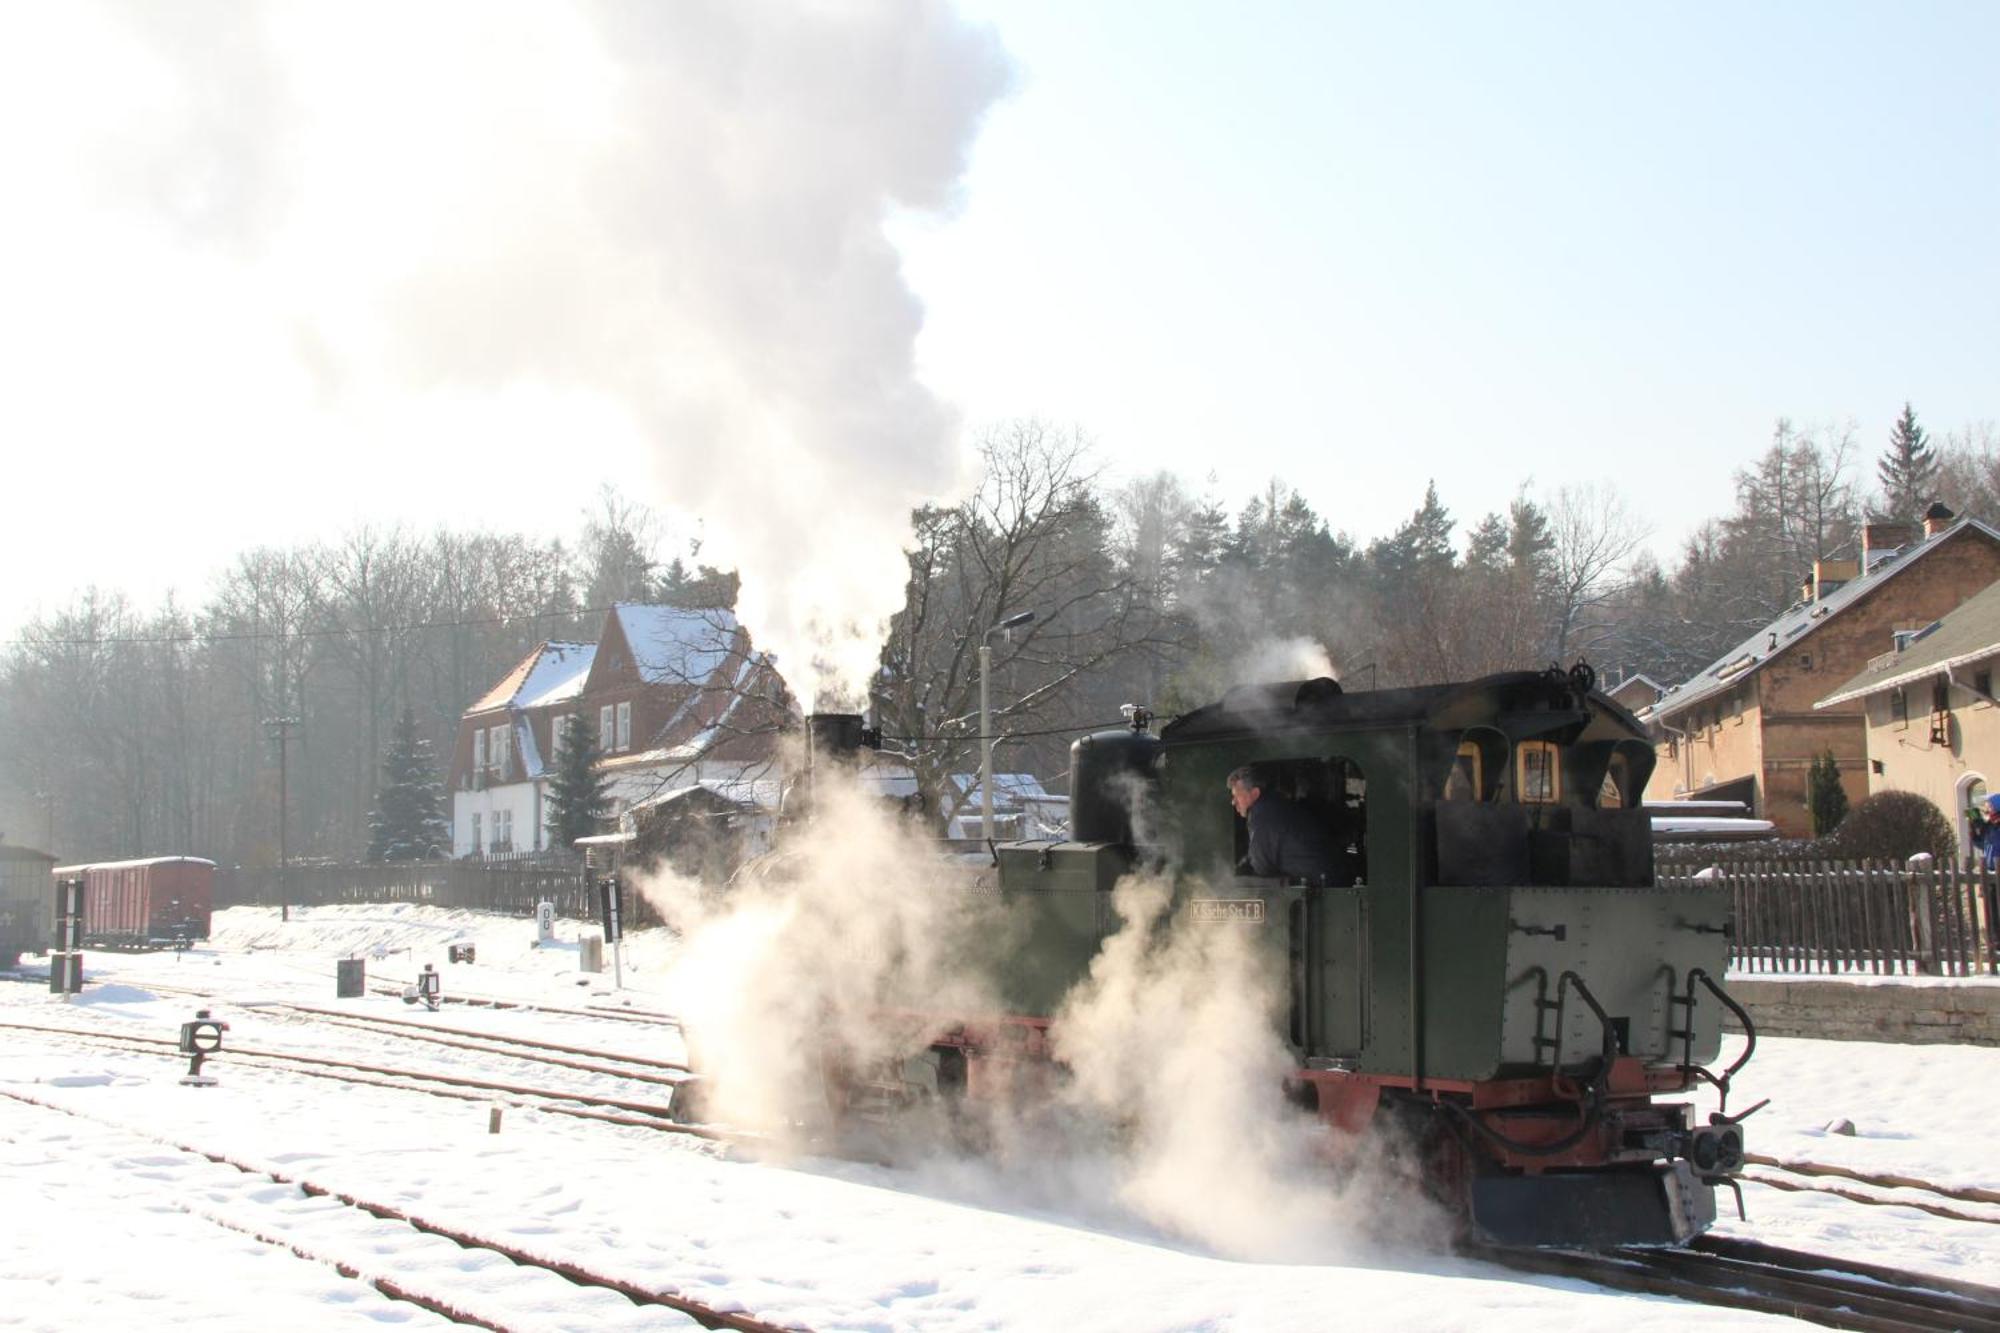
[[156, 900], [24, 902]]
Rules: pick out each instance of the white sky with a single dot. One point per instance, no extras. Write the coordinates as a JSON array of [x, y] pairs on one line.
[[1356, 247], [818, 1242]]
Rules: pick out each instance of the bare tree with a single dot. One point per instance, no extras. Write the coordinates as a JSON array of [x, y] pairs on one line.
[[1593, 535], [1031, 538]]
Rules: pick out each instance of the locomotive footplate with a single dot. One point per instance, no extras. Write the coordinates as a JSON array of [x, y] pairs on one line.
[[1660, 1204]]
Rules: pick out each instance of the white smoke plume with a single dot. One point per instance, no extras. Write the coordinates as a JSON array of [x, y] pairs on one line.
[[1174, 1038], [455, 241], [1274, 659], [1167, 1110], [822, 950]]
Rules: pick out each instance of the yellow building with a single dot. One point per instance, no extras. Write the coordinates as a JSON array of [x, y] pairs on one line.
[[1933, 725], [1749, 727]]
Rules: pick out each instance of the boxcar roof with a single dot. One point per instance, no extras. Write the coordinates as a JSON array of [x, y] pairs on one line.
[[1320, 704], [128, 865]]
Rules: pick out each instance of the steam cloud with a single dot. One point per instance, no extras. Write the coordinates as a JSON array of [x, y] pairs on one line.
[[1169, 1110], [418, 230]]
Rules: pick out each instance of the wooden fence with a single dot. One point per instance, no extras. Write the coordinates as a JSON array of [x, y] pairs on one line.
[[1876, 918], [511, 886]]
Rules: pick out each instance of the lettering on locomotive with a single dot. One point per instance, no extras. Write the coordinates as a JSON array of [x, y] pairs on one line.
[[1214, 911]]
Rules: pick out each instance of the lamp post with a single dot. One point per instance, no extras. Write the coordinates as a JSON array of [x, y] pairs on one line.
[[1006, 627], [281, 728]]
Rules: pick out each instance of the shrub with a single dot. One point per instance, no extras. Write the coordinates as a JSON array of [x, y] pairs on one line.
[[1894, 825], [1826, 800]]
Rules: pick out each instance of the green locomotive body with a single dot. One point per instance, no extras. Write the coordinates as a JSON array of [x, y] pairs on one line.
[[1490, 965]]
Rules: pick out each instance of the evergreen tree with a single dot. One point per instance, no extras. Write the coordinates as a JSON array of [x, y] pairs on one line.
[[578, 802], [408, 823], [1826, 802], [1908, 468]]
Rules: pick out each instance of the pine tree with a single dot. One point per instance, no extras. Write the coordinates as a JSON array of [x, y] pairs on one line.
[[408, 823], [578, 802], [1908, 468], [1826, 801]]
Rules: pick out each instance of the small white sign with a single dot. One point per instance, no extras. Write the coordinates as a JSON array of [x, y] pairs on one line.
[[545, 922], [1214, 911]]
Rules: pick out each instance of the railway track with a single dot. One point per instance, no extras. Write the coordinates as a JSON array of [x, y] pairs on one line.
[[1960, 1203], [1749, 1275], [559, 1101], [364, 1260]]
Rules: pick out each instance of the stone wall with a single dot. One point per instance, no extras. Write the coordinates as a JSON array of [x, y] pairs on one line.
[[1870, 1011]]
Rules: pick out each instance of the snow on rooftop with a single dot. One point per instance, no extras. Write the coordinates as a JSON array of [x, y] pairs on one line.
[[557, 676], [672, 645]]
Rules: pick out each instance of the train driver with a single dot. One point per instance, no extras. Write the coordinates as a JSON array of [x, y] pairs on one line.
[[1285, 839]]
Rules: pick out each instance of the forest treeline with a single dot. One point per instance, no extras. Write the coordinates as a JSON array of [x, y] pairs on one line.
[[129, 731]]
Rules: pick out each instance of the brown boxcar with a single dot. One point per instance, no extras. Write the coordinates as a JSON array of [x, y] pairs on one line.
[[154, 900]]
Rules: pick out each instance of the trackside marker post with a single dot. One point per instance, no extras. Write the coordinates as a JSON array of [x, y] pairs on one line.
[[199, 1040]]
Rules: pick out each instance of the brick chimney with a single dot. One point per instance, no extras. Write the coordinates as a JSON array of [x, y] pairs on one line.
[[1880, 535], [1937, 518]]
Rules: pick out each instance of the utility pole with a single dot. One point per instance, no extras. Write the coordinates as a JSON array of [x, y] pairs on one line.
[[1007, 628], [281, 728]]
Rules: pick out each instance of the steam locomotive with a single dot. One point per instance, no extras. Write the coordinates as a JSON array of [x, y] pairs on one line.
[[1490, 967]]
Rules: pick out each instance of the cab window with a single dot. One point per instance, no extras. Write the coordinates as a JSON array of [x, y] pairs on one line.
[[1537, 773]]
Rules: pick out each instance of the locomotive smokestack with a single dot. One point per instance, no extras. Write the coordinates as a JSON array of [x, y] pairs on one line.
[[834, 738]]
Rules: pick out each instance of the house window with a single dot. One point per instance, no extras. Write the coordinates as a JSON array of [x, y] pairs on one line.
[[478, 750], [558, 729], [474, 848], [625, 726], [1538, 780], [496, 750], [1941, 695], [1899, 706], [605, 735], [503, 831], [1982, 683]]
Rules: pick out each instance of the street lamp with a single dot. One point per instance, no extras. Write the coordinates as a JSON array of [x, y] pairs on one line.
[[1006, 627]]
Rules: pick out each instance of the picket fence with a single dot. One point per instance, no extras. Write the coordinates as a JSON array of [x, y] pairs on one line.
[[1859, 917]]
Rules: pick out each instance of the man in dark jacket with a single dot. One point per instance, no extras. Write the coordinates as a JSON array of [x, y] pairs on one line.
[[1285, 840]]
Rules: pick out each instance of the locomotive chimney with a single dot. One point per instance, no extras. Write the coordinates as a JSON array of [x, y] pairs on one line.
[[834, 738]]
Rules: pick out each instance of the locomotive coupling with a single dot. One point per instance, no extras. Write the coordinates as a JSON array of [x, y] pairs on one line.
[[200, 1039], [1715, 1149]]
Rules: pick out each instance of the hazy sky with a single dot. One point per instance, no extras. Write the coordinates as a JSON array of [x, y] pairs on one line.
[[1355, 247]]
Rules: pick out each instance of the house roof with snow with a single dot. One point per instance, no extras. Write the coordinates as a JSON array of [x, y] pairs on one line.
[[673, 645], [1803, 618], [553, 673], [1966, 635]]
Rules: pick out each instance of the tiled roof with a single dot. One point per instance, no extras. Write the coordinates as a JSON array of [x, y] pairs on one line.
[[1799, 621], [1965, 635]]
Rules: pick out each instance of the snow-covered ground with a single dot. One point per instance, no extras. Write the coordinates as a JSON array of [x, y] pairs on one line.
[[112, 1223]]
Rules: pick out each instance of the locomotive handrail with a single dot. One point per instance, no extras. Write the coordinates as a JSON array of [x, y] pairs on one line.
[[1595, 1089]]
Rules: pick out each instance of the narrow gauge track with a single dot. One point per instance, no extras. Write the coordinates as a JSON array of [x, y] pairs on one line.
[[491, 1043], [1809, 1178], [1749, 1275], [451, 1306], [560, 1101], [389, 986], [518, 1048]]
